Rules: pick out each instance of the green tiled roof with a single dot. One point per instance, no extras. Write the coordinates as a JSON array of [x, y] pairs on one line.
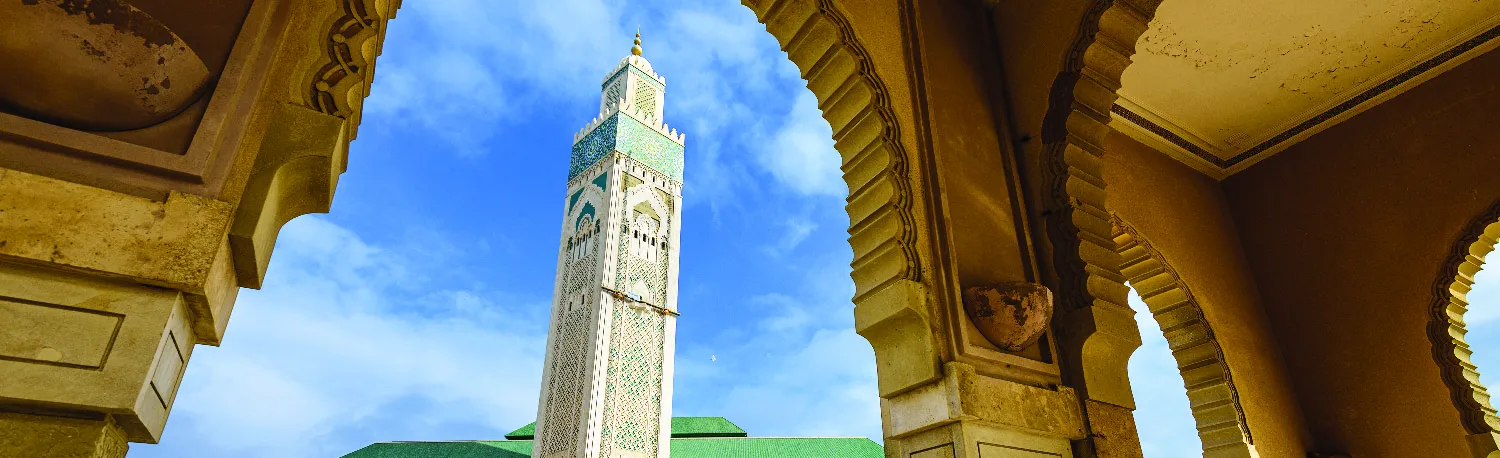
[[716, 447], [682, 427], [461, 449]]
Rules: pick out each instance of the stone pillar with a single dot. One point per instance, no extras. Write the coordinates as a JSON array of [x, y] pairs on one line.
[[130, 216], [42, 436], [102, 297], [970, 415], [979, 406]]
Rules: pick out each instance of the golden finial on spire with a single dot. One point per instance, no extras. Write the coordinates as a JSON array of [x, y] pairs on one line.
[[636, 50]]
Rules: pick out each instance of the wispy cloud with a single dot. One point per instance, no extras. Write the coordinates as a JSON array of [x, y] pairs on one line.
[[800, 370], [800, 154]]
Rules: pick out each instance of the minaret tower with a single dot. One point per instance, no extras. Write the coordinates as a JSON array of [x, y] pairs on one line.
[[607, 380]]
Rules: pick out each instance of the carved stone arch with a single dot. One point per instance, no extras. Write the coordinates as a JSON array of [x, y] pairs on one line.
[[636, 195], [1446, 329], [891, 309], [1074, 130], [1200, 359], [1097, 333]]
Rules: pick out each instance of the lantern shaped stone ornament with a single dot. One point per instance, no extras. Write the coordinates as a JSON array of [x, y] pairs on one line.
[[1011, 315]]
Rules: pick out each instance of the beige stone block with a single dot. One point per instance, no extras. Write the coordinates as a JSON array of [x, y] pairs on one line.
[[895, 321], [37, 436], [76, 344], [963, 395], [180, 243]]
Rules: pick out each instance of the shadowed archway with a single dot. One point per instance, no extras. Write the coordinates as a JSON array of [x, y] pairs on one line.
[[1447, 331]]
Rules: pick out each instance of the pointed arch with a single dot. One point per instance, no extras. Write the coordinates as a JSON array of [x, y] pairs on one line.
[[1447, 331], [1200, 359]]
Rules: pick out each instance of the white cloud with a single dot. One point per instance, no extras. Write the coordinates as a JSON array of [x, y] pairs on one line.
[[798, 370], [335, 342], [801, 155]]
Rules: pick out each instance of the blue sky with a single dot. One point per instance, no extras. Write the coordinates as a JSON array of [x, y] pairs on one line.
[[417, 309]]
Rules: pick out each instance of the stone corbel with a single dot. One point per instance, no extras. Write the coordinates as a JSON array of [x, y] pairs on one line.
[[896, 322], [1097, 342], [295, 173]]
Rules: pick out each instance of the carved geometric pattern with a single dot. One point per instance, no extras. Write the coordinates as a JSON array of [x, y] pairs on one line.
[[343, 81], [645, 98], [856, 104], [634, 387], [632, 268], [1446, 328], [567, 392], [1200, 359]]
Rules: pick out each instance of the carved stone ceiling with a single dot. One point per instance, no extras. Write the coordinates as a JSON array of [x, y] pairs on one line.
[[1221, 84]]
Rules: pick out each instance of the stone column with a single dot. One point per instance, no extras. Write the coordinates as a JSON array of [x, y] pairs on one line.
[[972, 406], [130, 216], [102, 297]]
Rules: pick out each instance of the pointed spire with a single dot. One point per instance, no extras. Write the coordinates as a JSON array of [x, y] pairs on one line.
[[636, 50]]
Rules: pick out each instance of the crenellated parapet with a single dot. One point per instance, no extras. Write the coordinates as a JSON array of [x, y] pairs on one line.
[[654, 123]]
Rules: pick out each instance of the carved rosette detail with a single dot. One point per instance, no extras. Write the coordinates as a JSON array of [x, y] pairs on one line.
[[341, 83], [1011, 315], [1446, 328]]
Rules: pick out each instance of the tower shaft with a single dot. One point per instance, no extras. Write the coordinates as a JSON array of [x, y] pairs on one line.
[[607, 379]]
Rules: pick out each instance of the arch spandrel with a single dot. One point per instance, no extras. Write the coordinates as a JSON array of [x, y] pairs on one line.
[[1215, 401]]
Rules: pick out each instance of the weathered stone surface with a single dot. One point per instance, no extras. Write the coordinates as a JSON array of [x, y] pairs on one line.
[[1011, 315], [38, 436], [96, 65]]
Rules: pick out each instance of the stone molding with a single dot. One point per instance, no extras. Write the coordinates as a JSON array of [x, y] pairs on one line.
[[1205, 372], [890, 301], [1446, 330], [354, 39]]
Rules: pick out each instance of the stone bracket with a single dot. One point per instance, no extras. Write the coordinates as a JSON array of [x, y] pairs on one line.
[[295, 173], [895, 321], [1097, 342]]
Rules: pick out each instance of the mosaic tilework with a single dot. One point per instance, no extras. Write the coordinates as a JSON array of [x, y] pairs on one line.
[[593, 146], [645, 144], [634, 138]]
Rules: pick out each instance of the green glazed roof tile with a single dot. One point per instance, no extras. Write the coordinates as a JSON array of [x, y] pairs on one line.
[[460, 449]]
